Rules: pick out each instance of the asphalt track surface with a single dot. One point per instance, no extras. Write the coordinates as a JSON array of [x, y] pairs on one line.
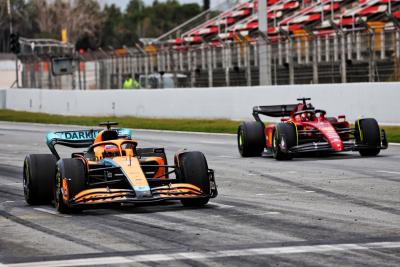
[[340, 210]]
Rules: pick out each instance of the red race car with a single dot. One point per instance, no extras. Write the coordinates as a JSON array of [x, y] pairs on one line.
[[306, 129]]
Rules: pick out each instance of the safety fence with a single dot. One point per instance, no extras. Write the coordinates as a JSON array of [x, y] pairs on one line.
[[366, 55]]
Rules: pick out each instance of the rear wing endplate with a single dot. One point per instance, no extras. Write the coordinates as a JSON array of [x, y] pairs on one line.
[[78, 139], [273, 111]]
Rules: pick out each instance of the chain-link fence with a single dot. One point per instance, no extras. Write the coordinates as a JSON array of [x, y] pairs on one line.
[[353, 56]]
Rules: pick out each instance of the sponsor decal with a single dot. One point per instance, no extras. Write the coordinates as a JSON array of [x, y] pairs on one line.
[[78, 135]]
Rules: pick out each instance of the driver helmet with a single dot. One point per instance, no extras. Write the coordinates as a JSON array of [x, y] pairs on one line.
[[111, 150]]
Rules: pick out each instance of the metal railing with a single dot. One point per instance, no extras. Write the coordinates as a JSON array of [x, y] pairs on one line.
[[354, 56]]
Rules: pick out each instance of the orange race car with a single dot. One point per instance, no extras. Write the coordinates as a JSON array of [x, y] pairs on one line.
[[114, 170]]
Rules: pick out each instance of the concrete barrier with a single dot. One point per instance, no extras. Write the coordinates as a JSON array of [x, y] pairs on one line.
[[3, 99], [378, 100]]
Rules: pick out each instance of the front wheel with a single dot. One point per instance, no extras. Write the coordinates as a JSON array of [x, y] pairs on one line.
[[70, 180], [367, 133], [284, 138], [193, 169]]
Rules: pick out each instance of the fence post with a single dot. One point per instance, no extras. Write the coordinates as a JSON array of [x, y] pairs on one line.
[[372, 57], [255, 55], [382, 44], [146, 71], [315, 60], [343, 58], [335, 48], [291, 67], [327, 49], [168, 61], [227, 65], [180, 60], [203, 57], [247, 64], [349, 45], [358, 46], [307, 50], [210, 68], [298, 49]]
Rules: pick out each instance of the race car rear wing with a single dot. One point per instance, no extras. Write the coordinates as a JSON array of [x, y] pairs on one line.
[[78, 139], [273, 111]]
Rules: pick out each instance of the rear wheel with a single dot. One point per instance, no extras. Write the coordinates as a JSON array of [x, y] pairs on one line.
[[38, 176], [284, 138], [367, 132], [193, 169], [70, 180], [251, 138]]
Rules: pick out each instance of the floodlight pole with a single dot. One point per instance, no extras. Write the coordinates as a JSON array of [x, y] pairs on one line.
[[11, 31], [263, 53], [9, 15]]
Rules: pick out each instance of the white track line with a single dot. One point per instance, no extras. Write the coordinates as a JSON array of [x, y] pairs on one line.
[[52, 212], [222, 206], [389, 172], [212, 254]]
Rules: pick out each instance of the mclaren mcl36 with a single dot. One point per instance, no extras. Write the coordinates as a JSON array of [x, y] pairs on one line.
[[113, 169], [305, 129]]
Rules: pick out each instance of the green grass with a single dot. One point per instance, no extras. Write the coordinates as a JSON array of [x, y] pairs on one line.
[[190, 125]]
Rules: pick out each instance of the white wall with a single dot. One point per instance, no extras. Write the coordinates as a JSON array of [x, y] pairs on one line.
[[378, 100]]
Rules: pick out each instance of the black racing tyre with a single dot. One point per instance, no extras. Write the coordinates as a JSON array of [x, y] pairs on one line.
[[367, 132], [284, 134], [193, 169], [38, 176], [74, 171], [251, 138]]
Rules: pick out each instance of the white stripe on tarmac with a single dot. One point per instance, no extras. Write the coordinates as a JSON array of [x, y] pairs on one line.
[[211, 254], [222, 206], [53, 212], [389, 172]]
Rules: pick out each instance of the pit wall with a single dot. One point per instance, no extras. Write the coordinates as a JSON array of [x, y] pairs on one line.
[[378, 100]]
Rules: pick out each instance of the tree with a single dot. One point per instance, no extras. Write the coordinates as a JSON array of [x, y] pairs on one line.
[[112, 29]]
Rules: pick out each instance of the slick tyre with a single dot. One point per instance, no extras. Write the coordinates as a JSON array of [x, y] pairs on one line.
[[284, 138], [70, 179], [193, 169], [251, 138], [367, 132], [38, 176]]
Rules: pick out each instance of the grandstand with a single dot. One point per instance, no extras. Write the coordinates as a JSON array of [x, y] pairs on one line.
[[324, 41], [323, 17]]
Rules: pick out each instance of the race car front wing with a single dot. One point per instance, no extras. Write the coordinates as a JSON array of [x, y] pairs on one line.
[[172, 191], [350, 145]]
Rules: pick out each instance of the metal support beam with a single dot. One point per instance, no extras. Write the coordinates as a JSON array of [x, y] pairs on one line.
[[343, 58], [264, 66]]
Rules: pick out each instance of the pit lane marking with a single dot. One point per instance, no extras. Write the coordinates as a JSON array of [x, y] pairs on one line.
[[213, 254], [390, 172]]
